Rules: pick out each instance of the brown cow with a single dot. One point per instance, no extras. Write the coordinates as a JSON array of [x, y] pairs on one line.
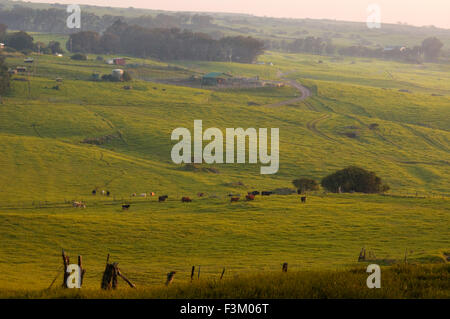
[[250, 197], [234, 199], [186, 200]]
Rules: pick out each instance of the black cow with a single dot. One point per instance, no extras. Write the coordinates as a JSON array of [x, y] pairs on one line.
[[94, 192], [264, 193], [125, 207], [303, 199], [162, 198]]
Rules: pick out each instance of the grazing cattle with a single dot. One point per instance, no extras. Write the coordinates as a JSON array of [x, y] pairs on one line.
[[152, 194], [266, 193], [303, 198], [250, 197], [125, 207], [94, 192], [108, 193], [255, 193], [133, 195], [201, 194], [162, 198], [143, 195], [186, 200], [103, 192], [234, 199]]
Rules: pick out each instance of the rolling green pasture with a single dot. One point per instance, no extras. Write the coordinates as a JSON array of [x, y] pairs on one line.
[[44, 165], [154, 238]]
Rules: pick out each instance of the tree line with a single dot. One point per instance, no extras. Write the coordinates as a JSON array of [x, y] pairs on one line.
[[430, 49], [23, 42], [165, 44], [53, 20]]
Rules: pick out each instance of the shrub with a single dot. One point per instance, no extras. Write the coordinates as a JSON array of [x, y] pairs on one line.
[[354, 179], [79, 57], [305, 184], [126, 77]]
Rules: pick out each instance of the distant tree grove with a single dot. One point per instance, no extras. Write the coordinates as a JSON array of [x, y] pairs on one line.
[[165, 44], [354, 179]]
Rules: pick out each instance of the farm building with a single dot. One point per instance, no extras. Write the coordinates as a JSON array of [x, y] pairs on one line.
[[215, 78], [119, 61], [117, 74]]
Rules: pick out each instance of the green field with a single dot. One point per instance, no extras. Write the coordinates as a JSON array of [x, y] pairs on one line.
[[44, 166]]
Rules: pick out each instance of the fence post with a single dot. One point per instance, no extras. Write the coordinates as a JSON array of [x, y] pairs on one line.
[[192, 273]]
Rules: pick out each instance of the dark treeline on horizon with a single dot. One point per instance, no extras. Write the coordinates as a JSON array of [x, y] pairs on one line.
[[53, 20], [165, 44], [180, 36]]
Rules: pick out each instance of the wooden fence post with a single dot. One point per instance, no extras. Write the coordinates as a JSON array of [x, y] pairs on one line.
[[109, 279], [223, 272], [82, 270], [66, 264], [192, 273]]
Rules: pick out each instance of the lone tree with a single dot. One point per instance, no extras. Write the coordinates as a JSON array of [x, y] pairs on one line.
[[20, 41], [305, 184], [354, 179], [431, 48]]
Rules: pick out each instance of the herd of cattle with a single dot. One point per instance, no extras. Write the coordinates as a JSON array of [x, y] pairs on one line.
[[185, 199]]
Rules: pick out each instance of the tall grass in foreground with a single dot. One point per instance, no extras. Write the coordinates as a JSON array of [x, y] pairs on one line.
[[398, 281]]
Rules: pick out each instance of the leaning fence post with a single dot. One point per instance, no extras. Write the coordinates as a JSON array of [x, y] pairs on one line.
[[223, 272], [66, 264], [82, 270], [192, 273], [109, 279]]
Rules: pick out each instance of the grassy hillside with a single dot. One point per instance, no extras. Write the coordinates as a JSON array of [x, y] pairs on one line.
[[44, 165]]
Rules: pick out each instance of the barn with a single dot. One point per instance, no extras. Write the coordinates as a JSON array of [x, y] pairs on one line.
[[215, 78], [119, 61]]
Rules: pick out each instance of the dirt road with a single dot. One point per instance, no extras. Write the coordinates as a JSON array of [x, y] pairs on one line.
[[305, 93]]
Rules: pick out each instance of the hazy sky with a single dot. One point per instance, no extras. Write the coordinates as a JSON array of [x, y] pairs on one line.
[[415, 12]]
